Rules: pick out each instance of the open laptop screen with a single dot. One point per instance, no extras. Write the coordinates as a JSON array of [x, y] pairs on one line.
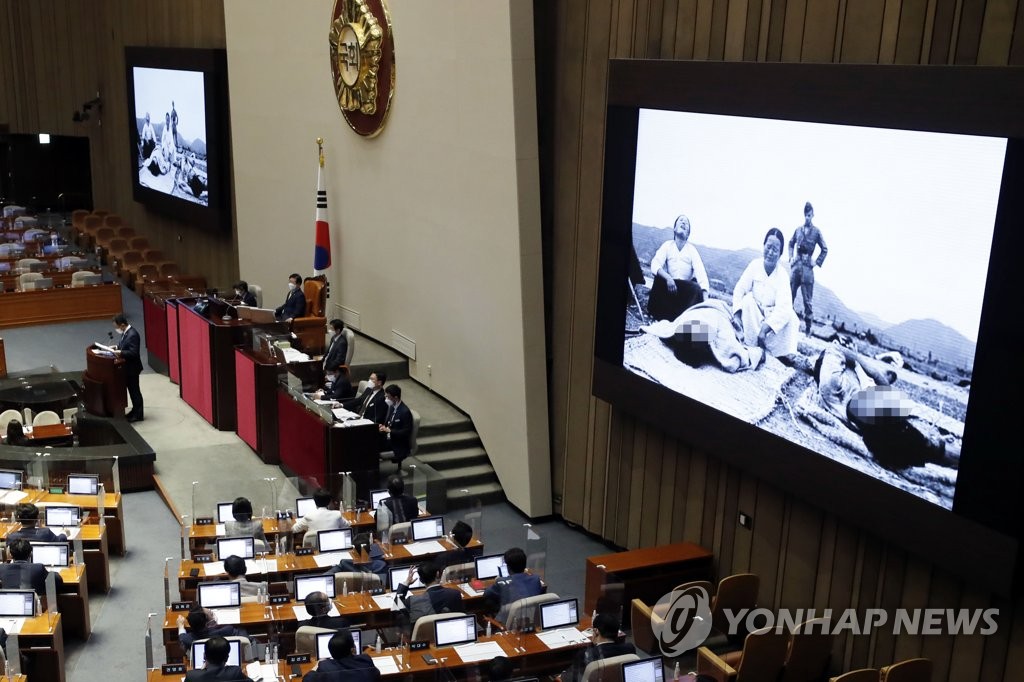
[[50, 553], [334, 540], [399, 573], [559, 614], [304, 584], [219, 595], [428, 528], [83, 484], [63, 516], [323, 640], [11, 479], [376, 496], [199, 653], [492, 566], [244, 547], [452, 631], [647, 670], [17, 603], [304, 505], [224, 512]]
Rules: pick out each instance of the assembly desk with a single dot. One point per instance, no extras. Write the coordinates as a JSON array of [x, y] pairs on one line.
[[201, 536], [95, 553], [70, 304], [41, 638]]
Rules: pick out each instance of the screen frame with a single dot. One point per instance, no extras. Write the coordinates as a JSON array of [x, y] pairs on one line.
[[48, 508], [423, 520], [984, 535], [642, 662], [234, 587], [18, 473], [234, 649], [330, 591], [95, 485], [330, 531], [440, 622], [221, 556], [542, 607], [216, 216], [30, 601], [58, 545], [476, 566]]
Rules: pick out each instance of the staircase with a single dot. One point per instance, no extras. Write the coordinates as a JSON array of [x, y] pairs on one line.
[[446, 441]]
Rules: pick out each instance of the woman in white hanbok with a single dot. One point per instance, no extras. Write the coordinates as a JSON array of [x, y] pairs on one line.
[[761, 302]]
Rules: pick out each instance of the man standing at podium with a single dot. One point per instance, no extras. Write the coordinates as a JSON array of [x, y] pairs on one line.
[[128, 350]]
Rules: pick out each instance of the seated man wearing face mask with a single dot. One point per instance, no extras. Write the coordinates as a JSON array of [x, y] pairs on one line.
[[294, 303], [337, 385], [243, 294]]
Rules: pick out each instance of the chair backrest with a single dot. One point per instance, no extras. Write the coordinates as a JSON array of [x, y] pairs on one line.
[[246, 647], [118, 246], [112, 220], [154, 256], [763, 655], [862, 675], [641, 624], [525, 608], [25, 280], [8, 416], [257, 291], [607, 669], [315, 291], [735, 592], [85, 278], [92, 223], [810, 649], [28, 262], [101, 212], [169, 270], [148, 271], [415, 431], [350, 339], [305, 638], [126, 232], [423, 629], [104, 235], [131, 258], [78, 217], [69, 415], [457, 573], [910, 670], [138, 243], [357, 581], [46, 417], [400, 531]]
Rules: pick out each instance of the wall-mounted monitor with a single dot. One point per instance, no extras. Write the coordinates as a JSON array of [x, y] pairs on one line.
[[800, 274], [179, 153]]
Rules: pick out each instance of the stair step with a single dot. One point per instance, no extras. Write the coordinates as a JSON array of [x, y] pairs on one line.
[[444, 442], [444, 427], [453, 459], [467, 496], [464, 477]]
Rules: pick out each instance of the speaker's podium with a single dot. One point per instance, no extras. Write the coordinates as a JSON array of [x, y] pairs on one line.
[[105, 392]]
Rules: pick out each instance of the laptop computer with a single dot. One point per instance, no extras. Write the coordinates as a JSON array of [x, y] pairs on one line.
[[51, 554], [224, 512], [429, 528], [376, 496], [11, 479], [304, 505], [244, 547], [305, 584], [452, 631], [334, 540], [323, 640], [219, 595], [199, 653], [491, 566], [559, 614], [83, 484], [17, 603], [646, 670], [397, 574], [64, 517]]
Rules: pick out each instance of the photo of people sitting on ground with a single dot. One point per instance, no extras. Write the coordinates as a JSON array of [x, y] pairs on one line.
[[817, 281], [170, 113]]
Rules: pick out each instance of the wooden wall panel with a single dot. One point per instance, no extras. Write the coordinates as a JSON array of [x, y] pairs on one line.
[[56, 54], [616, 475]]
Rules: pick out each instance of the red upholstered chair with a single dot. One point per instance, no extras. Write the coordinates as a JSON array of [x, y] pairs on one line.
[[910, 670], [126, 232], [761, 659], [310, 328], [139, 244], [112, 220]]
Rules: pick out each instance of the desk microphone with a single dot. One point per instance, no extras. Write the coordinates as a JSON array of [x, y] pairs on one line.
[[110, 335]]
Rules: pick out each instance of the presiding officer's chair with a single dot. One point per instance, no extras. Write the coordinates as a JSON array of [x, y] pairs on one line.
[[310, 327]]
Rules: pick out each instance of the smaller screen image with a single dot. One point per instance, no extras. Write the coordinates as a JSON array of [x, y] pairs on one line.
[[170, 133]]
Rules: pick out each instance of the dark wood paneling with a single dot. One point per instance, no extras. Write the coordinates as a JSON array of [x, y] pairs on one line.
[[621, 478], [56, 54]]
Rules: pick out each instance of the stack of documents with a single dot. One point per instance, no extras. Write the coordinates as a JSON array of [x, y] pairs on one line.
[[480, 651], [554, 639]]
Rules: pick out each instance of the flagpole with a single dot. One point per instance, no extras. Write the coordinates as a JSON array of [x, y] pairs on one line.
[[322, 241]]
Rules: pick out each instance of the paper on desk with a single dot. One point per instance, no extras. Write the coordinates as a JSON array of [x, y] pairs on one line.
[[468, 589], [330, 558], [292, 355], [228, 616], [221, 529], [12, 625], [554, 639], [260, 671], [480, 651], [300, 611], [13, 496], [213, 568], [384, 601], [425, 547], [385, 664]]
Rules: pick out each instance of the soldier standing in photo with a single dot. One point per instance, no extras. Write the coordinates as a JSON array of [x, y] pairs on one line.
[[802, 264]]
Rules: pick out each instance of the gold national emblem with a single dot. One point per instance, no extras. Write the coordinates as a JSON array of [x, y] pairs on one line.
[[363, 63]]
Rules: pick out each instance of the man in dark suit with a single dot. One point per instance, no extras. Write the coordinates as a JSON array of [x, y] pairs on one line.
[[397, 426], [345, 663], [243, 294], [216, 668], [402, 507], [295, 302], [203, 625], [28, 516], [318, 606], [436, 598], [128, 350], [21, 573], [337, 349], [371, 403]]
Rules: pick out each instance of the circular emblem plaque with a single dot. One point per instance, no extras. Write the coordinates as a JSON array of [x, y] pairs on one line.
[[363, 63]]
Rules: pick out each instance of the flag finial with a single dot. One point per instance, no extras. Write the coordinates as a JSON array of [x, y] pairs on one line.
[[320, 146]]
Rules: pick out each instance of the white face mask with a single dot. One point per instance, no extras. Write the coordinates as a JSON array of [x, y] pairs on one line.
[[291, 286], [118, 330], [238, 294], [390, 402]]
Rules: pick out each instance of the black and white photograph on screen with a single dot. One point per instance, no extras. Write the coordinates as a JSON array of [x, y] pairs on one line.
[[170, 116], [821, 282]]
